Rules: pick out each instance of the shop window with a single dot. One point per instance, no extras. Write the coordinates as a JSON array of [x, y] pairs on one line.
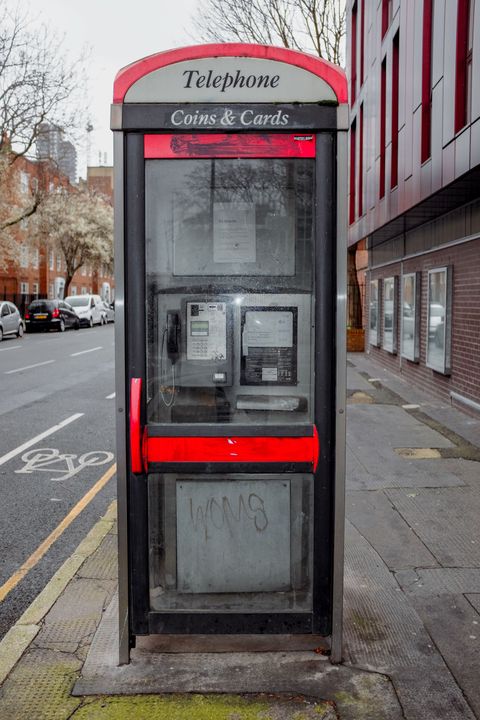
[[373, 319], [390, 314], [439, 319], [410, 328]]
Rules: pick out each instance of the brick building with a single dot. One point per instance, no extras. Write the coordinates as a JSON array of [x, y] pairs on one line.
[[414, 196], [36, 269]]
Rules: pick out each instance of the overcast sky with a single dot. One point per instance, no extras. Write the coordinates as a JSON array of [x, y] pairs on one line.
[[117, 33]]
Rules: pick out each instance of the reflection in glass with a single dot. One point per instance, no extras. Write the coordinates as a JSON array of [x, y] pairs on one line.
[[389, 310], [408, 316], [229, 276], [373, 313], [437, 303]]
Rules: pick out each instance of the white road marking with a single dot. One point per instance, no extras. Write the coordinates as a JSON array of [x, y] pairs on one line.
[[13, 453], [52, 461], [14, 347], [110, 397], [28, 367], [82, 352]]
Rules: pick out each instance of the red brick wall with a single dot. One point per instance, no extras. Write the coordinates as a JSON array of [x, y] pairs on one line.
[[465, 353]]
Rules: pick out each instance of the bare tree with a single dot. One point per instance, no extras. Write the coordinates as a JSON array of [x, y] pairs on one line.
[[37, 85], [310, 25], [78, 225]]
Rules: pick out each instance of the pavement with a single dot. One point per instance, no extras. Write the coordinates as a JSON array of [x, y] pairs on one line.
[[412, 599]]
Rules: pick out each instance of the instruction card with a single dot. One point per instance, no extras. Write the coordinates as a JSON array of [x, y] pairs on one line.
[[234, 232], [264, 328]]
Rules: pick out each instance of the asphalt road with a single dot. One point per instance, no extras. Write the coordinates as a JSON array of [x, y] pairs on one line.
[[57, 440]]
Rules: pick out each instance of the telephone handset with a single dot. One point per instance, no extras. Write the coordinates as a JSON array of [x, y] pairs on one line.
[[173, 335]]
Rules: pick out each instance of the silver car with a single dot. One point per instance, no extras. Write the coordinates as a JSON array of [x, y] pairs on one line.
[[10, 320]]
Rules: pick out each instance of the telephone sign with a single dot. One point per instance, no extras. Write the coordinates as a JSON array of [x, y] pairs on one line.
[[230, 166]]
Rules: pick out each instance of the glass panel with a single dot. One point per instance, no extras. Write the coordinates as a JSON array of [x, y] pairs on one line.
[[437, 303], [389, 314], [373, 313], [409, 309], [229, 257], [233, 543]]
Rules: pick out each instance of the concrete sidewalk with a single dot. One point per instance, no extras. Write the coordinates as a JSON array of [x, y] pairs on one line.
[[412, 599]]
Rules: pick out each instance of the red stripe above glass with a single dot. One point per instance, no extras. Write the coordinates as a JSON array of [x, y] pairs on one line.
[[217, 145], [232, 450]]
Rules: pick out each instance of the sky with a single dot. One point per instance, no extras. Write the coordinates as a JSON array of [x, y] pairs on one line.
[[116, 33]]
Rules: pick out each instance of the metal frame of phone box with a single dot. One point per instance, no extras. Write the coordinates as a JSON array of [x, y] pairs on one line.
[[328, 127]]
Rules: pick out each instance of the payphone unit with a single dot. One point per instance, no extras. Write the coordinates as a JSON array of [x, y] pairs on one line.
[[230, 264]]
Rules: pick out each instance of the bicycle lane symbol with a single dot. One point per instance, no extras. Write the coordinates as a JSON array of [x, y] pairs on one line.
[[68, 465]]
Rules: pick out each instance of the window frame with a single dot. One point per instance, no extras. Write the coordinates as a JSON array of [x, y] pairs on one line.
[[417, 288], [392, 346], [445, 368], [374, 340]]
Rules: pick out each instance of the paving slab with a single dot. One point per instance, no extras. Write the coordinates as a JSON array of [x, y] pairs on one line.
[[374, 516], [446, 519], [454, 626], [372, 471], [384, 632], [355, 381], [357, 694]]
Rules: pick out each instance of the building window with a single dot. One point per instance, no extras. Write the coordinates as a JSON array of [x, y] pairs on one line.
[[463, 70], [51, 291], [353, 64], [387, 15], [24, 256], [360, 164], [24, 183], [35, 258], [51, 260], [353, 140], [83, 291], [395, 81], [362, 42], [383, 123], [84, 270], [439, 319], [390, 314], [35, 288], [24, 288], [373, 335], [426, 80], [73, 290], [59, 263], [410, 331]]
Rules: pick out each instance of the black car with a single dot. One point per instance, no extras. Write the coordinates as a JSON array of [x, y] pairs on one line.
[[51, 315]]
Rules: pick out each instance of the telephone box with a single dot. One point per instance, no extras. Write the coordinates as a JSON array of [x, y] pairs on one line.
[[230, 212]]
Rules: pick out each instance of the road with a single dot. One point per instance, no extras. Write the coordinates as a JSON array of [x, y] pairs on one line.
[[56, 400]]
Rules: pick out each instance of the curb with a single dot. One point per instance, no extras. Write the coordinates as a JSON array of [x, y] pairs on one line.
[[20, 635]]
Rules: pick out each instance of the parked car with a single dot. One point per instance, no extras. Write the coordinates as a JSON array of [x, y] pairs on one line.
[[109, 309], [50, 315], [436, 317], [10, 320], [89, 309]]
